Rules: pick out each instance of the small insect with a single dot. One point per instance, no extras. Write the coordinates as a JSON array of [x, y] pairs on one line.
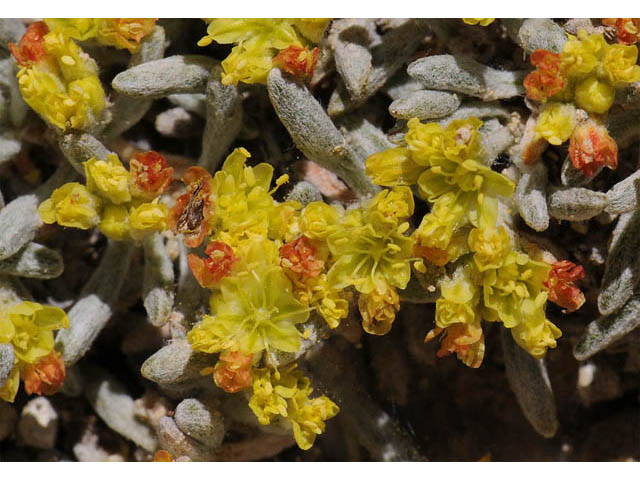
[[192, 216]]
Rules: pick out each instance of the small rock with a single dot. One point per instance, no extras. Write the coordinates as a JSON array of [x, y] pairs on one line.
[[38, 425]]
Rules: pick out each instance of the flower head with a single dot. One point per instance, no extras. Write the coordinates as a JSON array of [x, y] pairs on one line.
[[556, 123], [211, 270], [147, 218], [301, 257], [378, 310], [254, 310], [109, 179], [592, 148], [466, 341], [285, 393], [548, 79], [297, 61], [232, 373], [562, 287], [483, 22], [71, 205], [150, 175], [126, 33], [114, 221], [45, 377], [31, 48]]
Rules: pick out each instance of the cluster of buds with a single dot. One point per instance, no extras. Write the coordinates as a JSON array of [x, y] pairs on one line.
[[122, 204]]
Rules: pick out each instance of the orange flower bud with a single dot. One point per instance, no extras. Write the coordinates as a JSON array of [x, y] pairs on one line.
[[437, 256], [548, 79], [46, 377], [591, 147], [297, 61], [209, 271], [232, 373], [467, 342], [561, 285], [150, 174], [31, 48], [192, 211], [300, 256]]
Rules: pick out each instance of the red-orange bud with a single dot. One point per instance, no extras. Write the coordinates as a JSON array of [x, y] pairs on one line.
[[561, 285], [232, 373], [209, 271], [297, 61], [46, 377], [31, 48], [300, 256], [150, 174], [591, 147], [548, 78]]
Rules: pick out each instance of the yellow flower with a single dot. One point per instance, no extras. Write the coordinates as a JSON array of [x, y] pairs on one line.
[[258, 41], [331, 303], [489, 245], [29, 326], [124, 33], [581, 55], [394, 204], [78, 28], [378, 310], [536, 334], [318, 220], [620, 64], [115, 222], [478, 21], [109, 179], [9, 390], [461, 140], [458, 301], [424, 141], [594, 95], [57, 79], [71, 205], [370, 250], [148, 218], [254, 310], [556, 122], [393, 167], [285, 393]]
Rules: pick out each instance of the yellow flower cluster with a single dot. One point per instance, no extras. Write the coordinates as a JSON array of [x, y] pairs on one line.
[[28, 327], [122, 33], [286, 394], [492, 281], [111, 200], [258, 41], [58, 80]]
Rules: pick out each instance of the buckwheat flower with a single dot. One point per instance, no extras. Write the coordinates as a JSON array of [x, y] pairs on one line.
[[466, 341], [620, 64], [393, 167], [581, 55], [628, 29], [254, 311], [71, 205], [483, 22], [536, 334], [394, 204], [150, 175], [425, 141], [124, 33], [311, 28], [31, 49], [258, 41], [191, 215], [556, 123], [459, 299], [331, 303], [218, 264], [57, 79], [114, 222], [378, 310], [594, 95], [109, 179], [370, 251], [301, 257], [297, 61], [10, 388], [76, 28], [462, 140], [489, 246], [561, 284], [147, 218], [515, 290], [591, 148], [232, 372], [318, 220], [548, 79], [45, 377], [285, 393], [308, 417]]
